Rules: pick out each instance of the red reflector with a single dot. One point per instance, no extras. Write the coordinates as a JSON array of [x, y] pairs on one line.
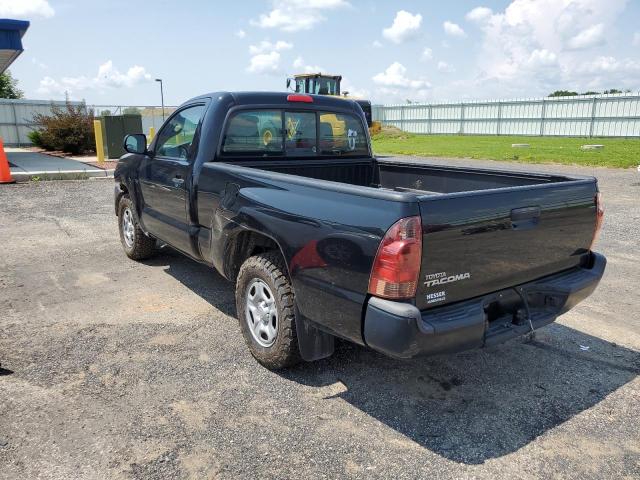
[[599, 219], [299, 98], [397, 265]]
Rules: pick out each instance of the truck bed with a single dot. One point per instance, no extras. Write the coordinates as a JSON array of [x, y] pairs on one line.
[[484, 230], [404, 177]]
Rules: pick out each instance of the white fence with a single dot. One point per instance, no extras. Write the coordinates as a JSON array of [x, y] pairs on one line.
[[616, 115], [16, 117]]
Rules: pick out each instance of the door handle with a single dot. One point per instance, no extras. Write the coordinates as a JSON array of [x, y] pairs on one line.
[[178, 181]]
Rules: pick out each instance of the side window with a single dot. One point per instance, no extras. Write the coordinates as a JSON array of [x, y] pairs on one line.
[[254, 132], [300, 133], [341, 134], [175, 138]]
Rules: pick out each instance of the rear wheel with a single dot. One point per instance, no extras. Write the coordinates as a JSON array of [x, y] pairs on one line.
[[264, 301], [135, 243]]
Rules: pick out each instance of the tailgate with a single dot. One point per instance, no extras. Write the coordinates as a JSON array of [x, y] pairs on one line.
[[479, 242]]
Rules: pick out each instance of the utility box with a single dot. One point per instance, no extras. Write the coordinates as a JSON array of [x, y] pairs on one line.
[[114, 129]]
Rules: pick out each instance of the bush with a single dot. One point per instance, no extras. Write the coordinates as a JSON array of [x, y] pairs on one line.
[[68, 128], [35, 138]]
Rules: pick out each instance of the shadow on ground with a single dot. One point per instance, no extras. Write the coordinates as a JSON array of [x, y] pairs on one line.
[[197, 277], [468, 407]]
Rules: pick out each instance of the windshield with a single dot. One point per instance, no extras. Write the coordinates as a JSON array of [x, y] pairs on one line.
[[318, 85]]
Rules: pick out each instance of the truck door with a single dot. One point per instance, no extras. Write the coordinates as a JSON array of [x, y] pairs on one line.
[[164, 178]]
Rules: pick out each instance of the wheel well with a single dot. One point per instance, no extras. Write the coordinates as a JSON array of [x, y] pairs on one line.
[[123, 191], [243, 246]]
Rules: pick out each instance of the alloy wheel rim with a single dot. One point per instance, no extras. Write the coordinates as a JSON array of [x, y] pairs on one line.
[[261, 313], [128, 229]]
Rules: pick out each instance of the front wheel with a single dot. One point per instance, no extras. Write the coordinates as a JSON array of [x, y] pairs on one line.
[[264, 301], [135, 243]]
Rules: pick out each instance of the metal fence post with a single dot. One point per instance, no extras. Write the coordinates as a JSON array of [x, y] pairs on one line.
[[543, 114], [499, 122], [15, 121], [593, 116], [430, 127], [461, 131]]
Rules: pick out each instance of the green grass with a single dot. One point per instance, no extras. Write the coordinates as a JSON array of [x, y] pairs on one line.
[[617, 152]]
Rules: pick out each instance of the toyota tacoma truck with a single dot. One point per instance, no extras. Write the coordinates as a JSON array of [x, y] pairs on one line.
[[283, 196]]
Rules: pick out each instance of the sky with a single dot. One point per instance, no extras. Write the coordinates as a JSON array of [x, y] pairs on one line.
[[109, 52]]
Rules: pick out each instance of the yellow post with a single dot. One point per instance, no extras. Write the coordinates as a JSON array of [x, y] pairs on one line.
[[97, 130], [152, 133]]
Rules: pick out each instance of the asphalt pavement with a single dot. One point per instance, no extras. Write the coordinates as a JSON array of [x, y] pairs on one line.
[[117, 369]]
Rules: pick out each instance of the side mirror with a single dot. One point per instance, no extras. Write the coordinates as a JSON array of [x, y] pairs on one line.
[[136, 143]]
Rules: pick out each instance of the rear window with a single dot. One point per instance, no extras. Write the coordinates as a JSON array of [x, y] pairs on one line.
[[300, 133], [254, 132], [294, 133], [341, 134]]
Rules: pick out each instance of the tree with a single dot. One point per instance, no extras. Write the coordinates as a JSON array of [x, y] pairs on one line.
[[613, 90], [131, 111], [9, 86], [590, 93], [563, 93]]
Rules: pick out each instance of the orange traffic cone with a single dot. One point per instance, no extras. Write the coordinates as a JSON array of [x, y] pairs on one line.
[[5, 171]]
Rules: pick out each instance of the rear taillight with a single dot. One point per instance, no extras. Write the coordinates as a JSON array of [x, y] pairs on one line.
[[397, 264], [599, 219]]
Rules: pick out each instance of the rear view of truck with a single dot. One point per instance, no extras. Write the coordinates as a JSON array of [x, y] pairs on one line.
[[491, 256]]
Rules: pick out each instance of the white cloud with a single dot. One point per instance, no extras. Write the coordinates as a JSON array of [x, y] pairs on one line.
[[636, 39], [587, 38], [107, 77], [25, 8], [445, 67], [300, 66], [453, 29], [267, 46], [265, 63], [427, 54], [241, 33], [479, 14], [376, 44], [542, 58], [295, 15], [395, 76], [537, 46], [265, 56], [405, 27], [608, 65]]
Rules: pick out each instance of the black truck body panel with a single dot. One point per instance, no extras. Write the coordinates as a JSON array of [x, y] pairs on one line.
[[328, 214]]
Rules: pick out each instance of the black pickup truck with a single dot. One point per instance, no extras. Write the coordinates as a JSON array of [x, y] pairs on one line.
[[282, 195]]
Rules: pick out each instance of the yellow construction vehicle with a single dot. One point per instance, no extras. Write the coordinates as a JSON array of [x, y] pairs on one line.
[[323, 84]]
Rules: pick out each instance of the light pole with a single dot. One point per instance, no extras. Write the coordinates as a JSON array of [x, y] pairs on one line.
[[161, 96]]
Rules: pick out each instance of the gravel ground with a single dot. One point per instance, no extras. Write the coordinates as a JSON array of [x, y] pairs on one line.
[[116, 369]]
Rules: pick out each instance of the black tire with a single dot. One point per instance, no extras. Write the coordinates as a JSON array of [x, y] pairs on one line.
[[269, 267], [140, 246]]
